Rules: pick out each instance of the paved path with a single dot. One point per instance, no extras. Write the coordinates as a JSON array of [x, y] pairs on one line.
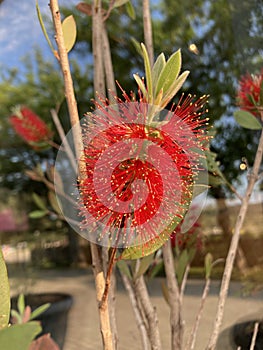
[[83, 332]]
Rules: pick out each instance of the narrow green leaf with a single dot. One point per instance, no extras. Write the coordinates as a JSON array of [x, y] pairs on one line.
[[144, 265], [40, 310], [21, 304], [169, 72], [124, 268], [16, 315], [157, 68], [247, 120], [148, 73], [19, 336], [175, 87], [137, 46], [54, 201], [130, 10], [37, 214], [156, 269], [141, 85], [181, 266], [69, 29], [43, 27], [118, 3], [39, 201], [208, 265], [4, 294]]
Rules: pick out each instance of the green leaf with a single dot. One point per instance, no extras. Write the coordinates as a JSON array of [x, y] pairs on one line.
[[39, 311], [37, 214], [156, 269], [137, 46], [124, 268], [21, 304], [118, 3], [144, 265], [170, 72], [148, 73], [247, 120], [54, 201], [43, 27], [39, 201], [181, 266], [4, 294], [19, 336], [130, 10], [175, 87], [157, 68], [141, 85], [16, 315], [208, 265], [69, 29]]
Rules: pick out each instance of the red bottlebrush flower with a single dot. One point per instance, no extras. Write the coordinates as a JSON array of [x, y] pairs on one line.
[[29, 126], [186, 239], [249, 92], [137, 177]]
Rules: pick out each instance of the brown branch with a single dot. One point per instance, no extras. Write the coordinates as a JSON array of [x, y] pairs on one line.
[[63, 139], [234, 245], [150, 313], [97, 29], [192, 338], [176, 322], [147, 27], [74, 119], [137, 312]]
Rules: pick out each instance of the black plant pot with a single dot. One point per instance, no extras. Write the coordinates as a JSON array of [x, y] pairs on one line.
[[242, 334], [54, 319]]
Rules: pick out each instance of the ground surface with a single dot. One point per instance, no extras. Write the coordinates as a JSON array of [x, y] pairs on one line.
[[83, 332]]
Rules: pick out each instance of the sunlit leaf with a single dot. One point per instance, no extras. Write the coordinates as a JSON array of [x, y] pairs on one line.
[[69, 29], [21, 304], [118, 3], [247, 120], [148, 73], [181, 265], [4, 294], [130, 10], [43, 27], [40, 310], [169, 73], [19, 336], [157, 68], [37, 214]]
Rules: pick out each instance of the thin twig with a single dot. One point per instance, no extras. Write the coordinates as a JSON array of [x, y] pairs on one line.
[[63, 139], [254, 337], [192, 338], [110, 8], [149, 311], [184, 281], [108, 278], [147, 27], [176, 322], [234, 245], [138, 317]]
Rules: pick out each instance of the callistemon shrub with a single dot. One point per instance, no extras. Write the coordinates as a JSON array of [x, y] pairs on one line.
[[138, 170], [30, 127]]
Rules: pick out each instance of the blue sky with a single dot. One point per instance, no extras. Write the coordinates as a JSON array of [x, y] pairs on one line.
[[20, 31]]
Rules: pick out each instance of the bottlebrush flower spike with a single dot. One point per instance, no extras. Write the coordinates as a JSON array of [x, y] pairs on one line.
[[137, 178], [250, 93], [30, 127]]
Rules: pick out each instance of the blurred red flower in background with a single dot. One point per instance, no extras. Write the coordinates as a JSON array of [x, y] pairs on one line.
[[30, 126], [250, 93]]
